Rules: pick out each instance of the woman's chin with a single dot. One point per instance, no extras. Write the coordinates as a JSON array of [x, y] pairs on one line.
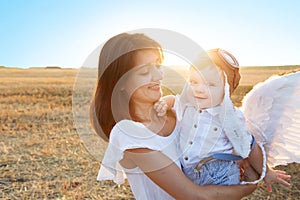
[[155, 92]]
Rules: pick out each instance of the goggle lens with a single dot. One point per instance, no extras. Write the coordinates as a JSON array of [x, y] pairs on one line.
[[229, 59]]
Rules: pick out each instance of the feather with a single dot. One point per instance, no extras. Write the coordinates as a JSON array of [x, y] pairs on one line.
[[272, 112]]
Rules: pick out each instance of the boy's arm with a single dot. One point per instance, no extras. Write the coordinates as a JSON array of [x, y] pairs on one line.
[[272, 176], [170, 100], [165, 104], [256, 159]]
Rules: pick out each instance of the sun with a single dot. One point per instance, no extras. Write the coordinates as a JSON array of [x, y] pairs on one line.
[[173, 60]]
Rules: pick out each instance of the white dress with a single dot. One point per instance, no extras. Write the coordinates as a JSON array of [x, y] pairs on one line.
[[127, 134]]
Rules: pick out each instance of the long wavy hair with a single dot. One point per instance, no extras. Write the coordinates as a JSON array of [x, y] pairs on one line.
[[117, 57]]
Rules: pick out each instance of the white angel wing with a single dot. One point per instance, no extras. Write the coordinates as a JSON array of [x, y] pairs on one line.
[[272, 111]]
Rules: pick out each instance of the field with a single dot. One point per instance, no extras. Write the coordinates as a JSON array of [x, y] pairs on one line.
[[42, 154]]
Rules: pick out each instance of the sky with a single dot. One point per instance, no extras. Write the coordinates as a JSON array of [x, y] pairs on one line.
[[35, 33]]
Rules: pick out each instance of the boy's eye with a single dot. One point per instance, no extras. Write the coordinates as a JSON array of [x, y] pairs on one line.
[[211, 84], [193, 82]]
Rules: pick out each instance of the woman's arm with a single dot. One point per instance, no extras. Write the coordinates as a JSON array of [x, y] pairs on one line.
[[166, 174]]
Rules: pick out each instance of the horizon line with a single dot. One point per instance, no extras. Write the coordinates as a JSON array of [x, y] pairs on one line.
[[60, 67]]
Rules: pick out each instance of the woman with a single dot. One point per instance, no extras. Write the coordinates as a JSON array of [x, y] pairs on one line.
[[142, 145]]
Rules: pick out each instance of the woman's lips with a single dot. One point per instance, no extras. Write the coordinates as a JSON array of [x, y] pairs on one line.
[[154, 87]]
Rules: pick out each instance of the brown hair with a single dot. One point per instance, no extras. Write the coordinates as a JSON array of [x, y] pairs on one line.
[[117, 57]]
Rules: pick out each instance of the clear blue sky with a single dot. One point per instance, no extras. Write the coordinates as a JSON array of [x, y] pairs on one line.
[[64, 32]]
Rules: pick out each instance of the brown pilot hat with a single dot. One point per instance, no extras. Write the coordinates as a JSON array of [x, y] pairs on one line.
[[228, 63]]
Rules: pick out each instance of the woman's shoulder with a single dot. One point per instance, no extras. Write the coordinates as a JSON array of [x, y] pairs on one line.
[[131, 129], [127, 122], [128, 130], [128, 134], [129, 125]]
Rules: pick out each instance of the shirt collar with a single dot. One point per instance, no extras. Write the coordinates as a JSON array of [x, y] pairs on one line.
[[214, 110]]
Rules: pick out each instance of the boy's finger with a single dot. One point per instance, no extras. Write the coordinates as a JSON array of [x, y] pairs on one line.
[[160, 114], [280, 172], [159, 107], [269, 187], [283, 182]]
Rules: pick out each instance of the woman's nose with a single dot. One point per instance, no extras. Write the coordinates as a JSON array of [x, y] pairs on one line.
[[157, 74]]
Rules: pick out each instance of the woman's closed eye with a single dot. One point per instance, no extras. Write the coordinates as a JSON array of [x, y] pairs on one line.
[[147, 68], [144, 71]]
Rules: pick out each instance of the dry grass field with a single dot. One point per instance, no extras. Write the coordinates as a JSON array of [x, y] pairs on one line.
[[42, 155]]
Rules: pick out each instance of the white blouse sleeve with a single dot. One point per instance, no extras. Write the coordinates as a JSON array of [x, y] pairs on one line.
[[126, 134]]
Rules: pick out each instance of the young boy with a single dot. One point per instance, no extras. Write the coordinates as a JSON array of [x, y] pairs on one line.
[[213, 134]]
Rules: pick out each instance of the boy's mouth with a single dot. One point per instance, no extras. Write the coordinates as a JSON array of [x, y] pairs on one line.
[[200, 98]]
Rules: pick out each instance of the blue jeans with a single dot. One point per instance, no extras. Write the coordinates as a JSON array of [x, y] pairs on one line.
[[215, 172]]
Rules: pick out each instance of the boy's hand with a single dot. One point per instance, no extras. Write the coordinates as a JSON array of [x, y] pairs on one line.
[[276, 176], [161, 107]]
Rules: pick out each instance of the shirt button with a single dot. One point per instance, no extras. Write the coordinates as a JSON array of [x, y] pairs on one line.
[[200, 111], [215, 129], [195, 126], [186, 158], [191, 142]]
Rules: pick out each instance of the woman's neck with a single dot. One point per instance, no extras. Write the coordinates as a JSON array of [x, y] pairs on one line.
[[162, 125], [143, 113]]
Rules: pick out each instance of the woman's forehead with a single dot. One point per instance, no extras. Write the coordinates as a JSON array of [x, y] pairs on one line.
[[146, 56]]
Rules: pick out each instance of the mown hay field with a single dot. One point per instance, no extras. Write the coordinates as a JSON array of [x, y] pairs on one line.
[[42, 155]]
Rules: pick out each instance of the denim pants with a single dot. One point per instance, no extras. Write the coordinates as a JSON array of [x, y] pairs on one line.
[[215, 172]]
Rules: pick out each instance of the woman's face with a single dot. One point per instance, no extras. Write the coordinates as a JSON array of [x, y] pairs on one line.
[[144, 83], [207, 86]]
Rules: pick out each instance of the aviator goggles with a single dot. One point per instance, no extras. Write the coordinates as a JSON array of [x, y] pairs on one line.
[[228, 63]]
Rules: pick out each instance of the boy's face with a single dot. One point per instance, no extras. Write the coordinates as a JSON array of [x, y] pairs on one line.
[[207, 85]]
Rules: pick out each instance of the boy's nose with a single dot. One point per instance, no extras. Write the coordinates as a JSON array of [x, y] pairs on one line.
[[200, 88]]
